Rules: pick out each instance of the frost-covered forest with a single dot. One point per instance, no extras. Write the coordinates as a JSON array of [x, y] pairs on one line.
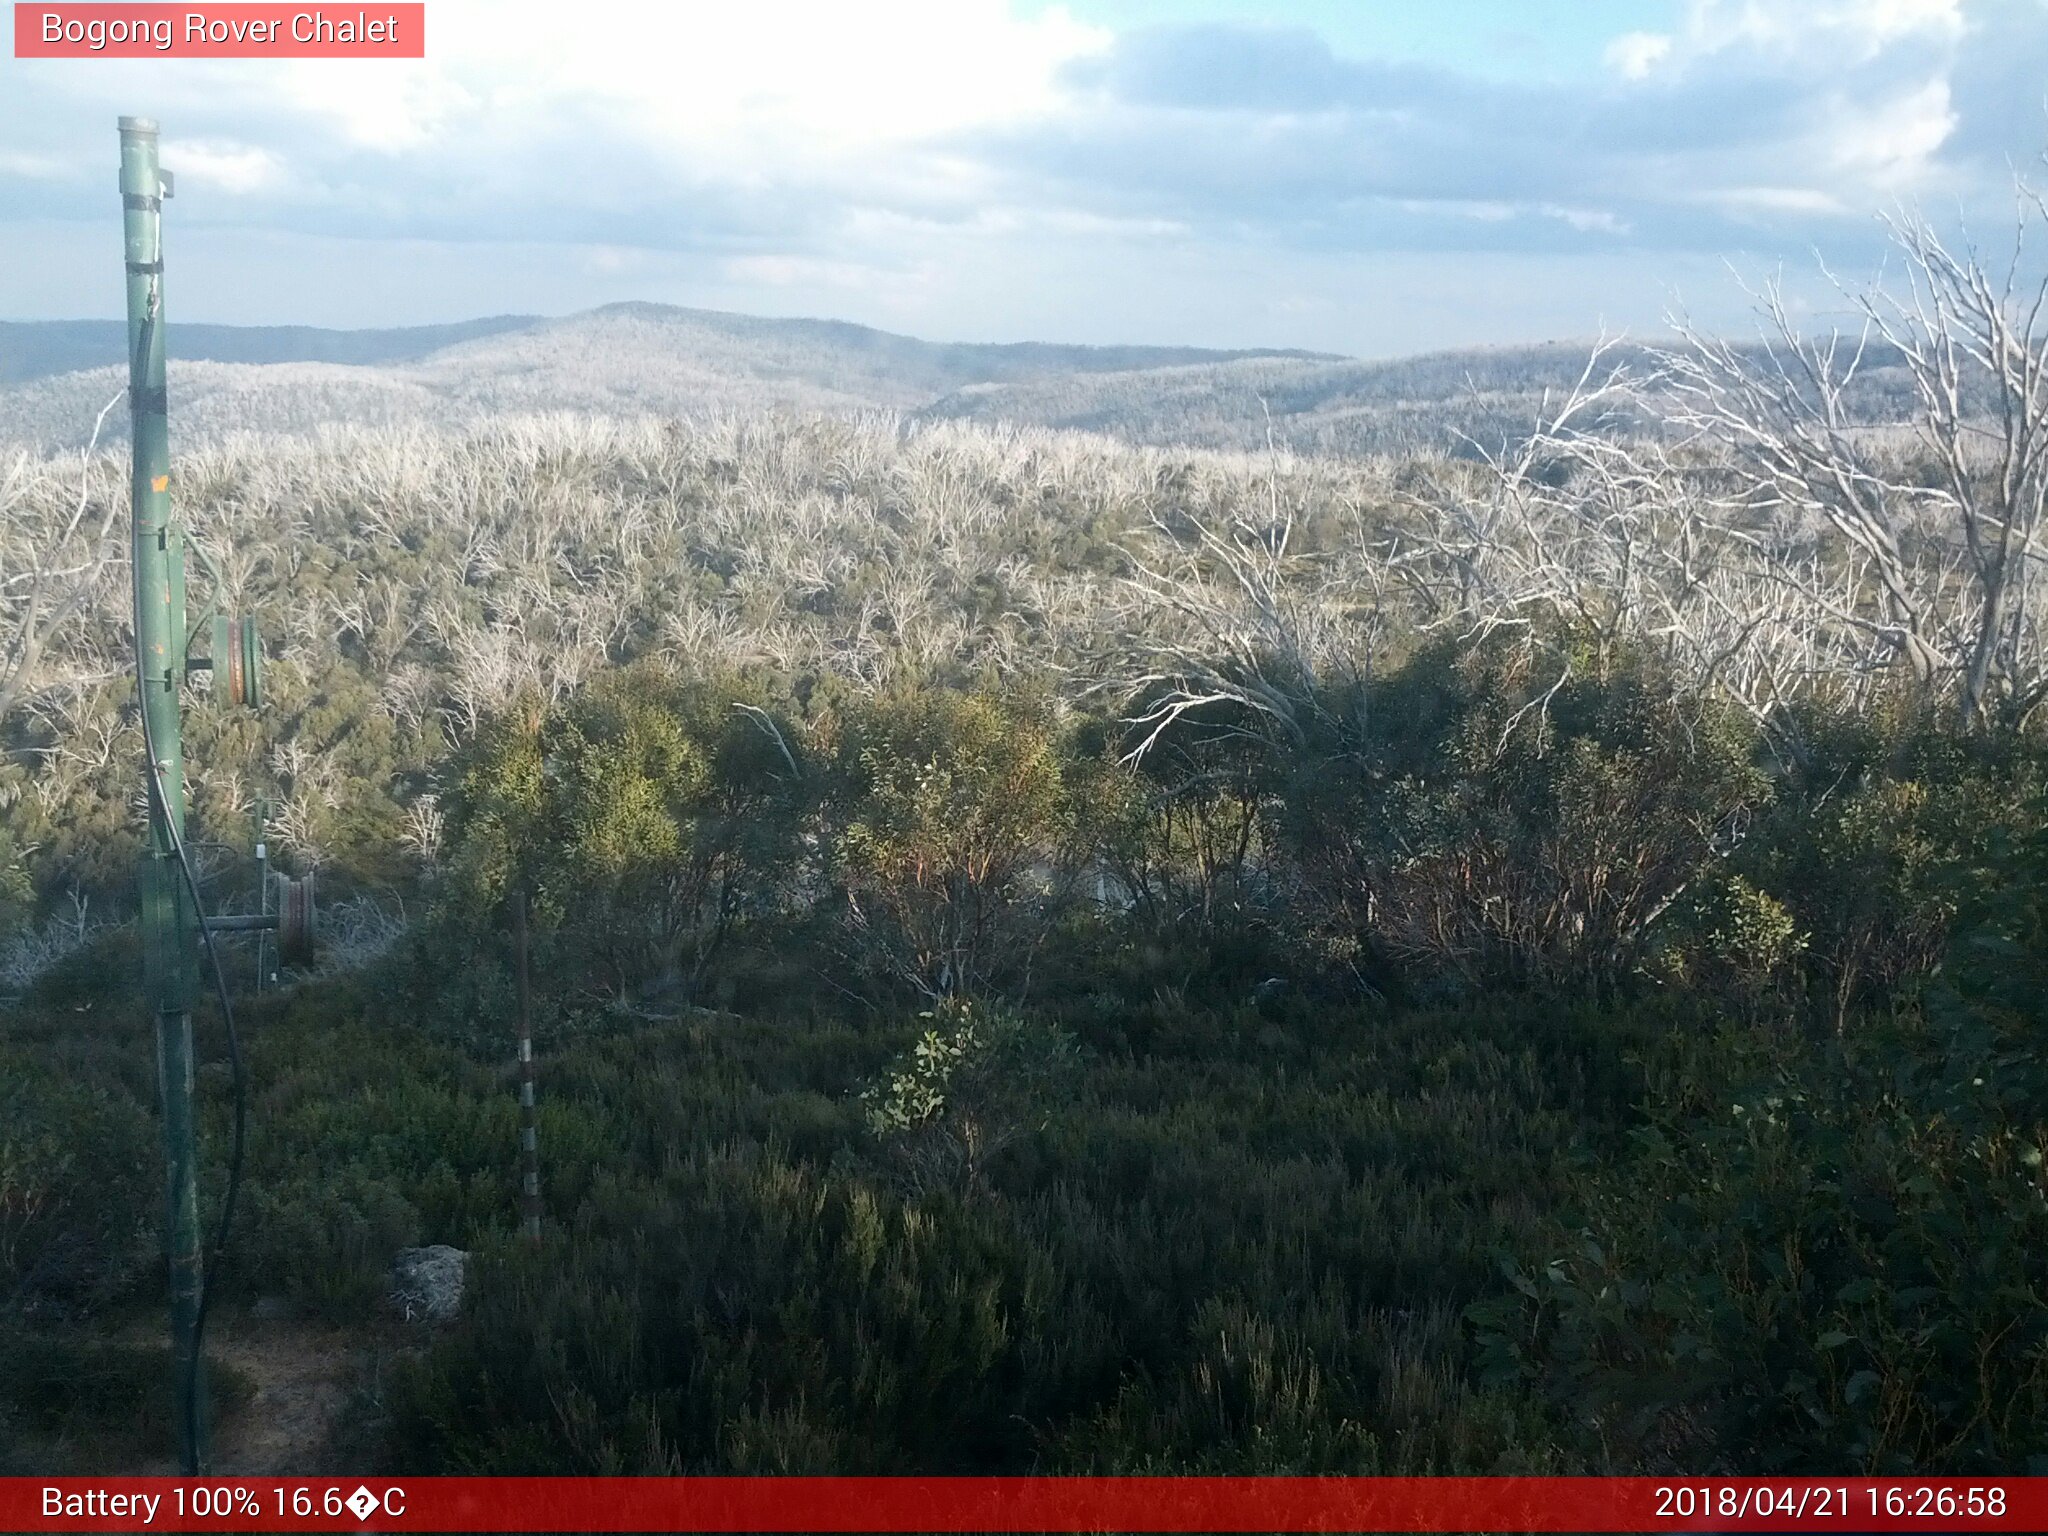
[[1055, 952]]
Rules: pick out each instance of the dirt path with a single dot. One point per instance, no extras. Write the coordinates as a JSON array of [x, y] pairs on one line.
[[302, 1375]]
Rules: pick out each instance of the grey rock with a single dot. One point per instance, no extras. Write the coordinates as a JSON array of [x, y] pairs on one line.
[[272, 1309], [426, 1283]]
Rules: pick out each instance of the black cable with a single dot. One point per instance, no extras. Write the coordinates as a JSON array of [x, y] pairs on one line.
[[239, 1077], [227, 1011]]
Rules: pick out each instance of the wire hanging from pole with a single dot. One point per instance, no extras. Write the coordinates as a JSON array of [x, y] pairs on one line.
[[160, 802]]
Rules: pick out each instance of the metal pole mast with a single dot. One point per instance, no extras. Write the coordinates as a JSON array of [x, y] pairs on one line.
[[170, 926]]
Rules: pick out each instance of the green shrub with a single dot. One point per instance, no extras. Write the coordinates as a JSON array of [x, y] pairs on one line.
[[677, 1316], [648, 817], [1510, 813], [17, 888], [1731, 940], [1867, 842], [80, 1182], [328, 1245], [972, 1084], [64, 1392], [1819, 1256], [949, 837], [1185, 835]]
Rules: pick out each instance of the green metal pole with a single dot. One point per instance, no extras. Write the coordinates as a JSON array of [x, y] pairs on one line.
[[169, 925]]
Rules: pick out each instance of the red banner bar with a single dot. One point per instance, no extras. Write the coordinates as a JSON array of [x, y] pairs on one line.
[[1024, 1504], [374, 30]]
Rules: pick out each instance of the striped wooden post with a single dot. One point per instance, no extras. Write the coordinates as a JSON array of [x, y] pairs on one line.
[[529, 1115]]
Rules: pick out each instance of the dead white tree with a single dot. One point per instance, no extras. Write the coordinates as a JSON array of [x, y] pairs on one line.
[[47, 573], [1229, 620], [1557, 524], [1587, 533], [1944, 538]]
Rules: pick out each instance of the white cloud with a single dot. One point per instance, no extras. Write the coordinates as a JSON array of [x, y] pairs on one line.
[[32, 167], [1635, 54], [1484, 210], [1865, 87], [1897, 18], [613, 260], [735, 93], [1891, 145], [1025, 220], [389, 106], [1838, 31], [1593, 220], [1491, 211], [807, 272], [224, 166], [762, 85], [1774, 200]]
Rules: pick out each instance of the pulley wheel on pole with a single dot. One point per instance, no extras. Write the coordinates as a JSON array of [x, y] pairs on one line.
[[296, 930], [238, 661]]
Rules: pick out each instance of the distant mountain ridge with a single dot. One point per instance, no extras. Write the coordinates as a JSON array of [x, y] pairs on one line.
[[1432, 402], [639, 359], [37, 349], [1461, 402], [635, 358]]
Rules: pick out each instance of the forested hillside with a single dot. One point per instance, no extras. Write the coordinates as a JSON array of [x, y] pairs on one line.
[[40, 349], [1063, 955], [646, 361], [632, 359], [1459, 403]]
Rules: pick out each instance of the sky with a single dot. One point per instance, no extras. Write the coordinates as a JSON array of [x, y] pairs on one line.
[[1373, 177]]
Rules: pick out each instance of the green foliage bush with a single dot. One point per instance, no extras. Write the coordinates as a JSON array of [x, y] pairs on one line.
[[972, 1084], [17, 887], [1869, 839], [949, 837], [67, 1398], [1188, 835], [648, 817], [369, 1138], [1503, 812], [1819, 1256], [1734, 940], [79, 1184]]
